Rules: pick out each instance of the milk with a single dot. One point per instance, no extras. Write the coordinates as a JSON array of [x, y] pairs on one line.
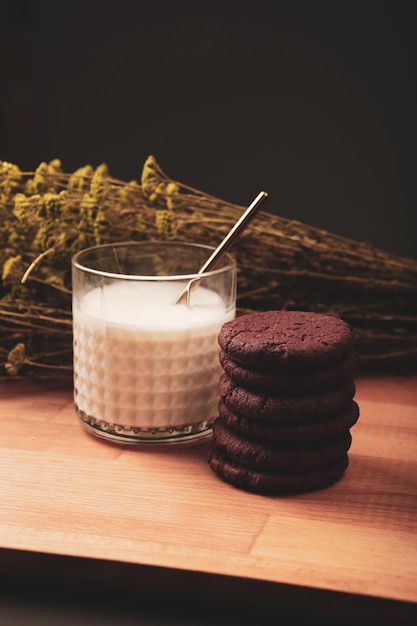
[[142, 361]]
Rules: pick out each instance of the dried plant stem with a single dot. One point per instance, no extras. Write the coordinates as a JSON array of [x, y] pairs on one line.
[[35, 263], [47, 215]]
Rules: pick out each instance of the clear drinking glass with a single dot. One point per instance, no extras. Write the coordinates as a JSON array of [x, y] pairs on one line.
[[146, 369]]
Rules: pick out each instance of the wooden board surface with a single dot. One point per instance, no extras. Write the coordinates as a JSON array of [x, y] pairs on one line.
[[65, 492]]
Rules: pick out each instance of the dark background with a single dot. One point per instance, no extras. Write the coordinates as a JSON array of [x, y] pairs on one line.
[[312, 101]]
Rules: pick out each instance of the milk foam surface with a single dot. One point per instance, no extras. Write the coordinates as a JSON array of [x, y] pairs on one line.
[[140, 360]]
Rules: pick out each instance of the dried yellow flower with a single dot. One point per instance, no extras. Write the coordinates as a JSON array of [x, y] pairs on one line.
[[173, 196], [88, 209], [100, 225], [81, 178], [40, 241], [12, 270], [15, 359], [129, 192], [157, 191], [99, 184], [10, 178], [51, 205], [166, 224]]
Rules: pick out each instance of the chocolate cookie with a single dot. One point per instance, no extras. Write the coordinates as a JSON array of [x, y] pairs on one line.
[[270, 381], [271, 430], [273, 457], [285, 402], [280, 407], [279, 483], [287, 340]]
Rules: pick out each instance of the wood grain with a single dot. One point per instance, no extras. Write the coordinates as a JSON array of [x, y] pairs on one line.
[[67, 493]]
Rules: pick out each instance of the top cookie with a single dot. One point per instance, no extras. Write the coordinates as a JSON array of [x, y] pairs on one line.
[[287, 339]]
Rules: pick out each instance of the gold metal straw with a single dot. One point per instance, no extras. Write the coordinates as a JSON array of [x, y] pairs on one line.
[[224, 246]]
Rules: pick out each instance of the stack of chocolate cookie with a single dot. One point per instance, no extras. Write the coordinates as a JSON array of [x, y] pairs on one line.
[[286, 402]]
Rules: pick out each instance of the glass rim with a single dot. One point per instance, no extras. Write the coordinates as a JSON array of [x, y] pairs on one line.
[[229, 265]]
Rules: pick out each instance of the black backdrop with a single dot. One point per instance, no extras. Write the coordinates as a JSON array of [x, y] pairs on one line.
[[312, 101]]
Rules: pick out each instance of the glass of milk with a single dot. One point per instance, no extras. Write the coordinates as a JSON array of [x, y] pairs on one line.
[[146, 368]]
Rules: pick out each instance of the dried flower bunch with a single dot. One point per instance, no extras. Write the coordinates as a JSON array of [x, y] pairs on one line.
[[48, 215]]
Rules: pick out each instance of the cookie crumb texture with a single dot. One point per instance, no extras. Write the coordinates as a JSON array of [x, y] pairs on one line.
[[287, 340], [286, 402]]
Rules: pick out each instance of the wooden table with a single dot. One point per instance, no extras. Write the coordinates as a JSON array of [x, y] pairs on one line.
[[78, 510]]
